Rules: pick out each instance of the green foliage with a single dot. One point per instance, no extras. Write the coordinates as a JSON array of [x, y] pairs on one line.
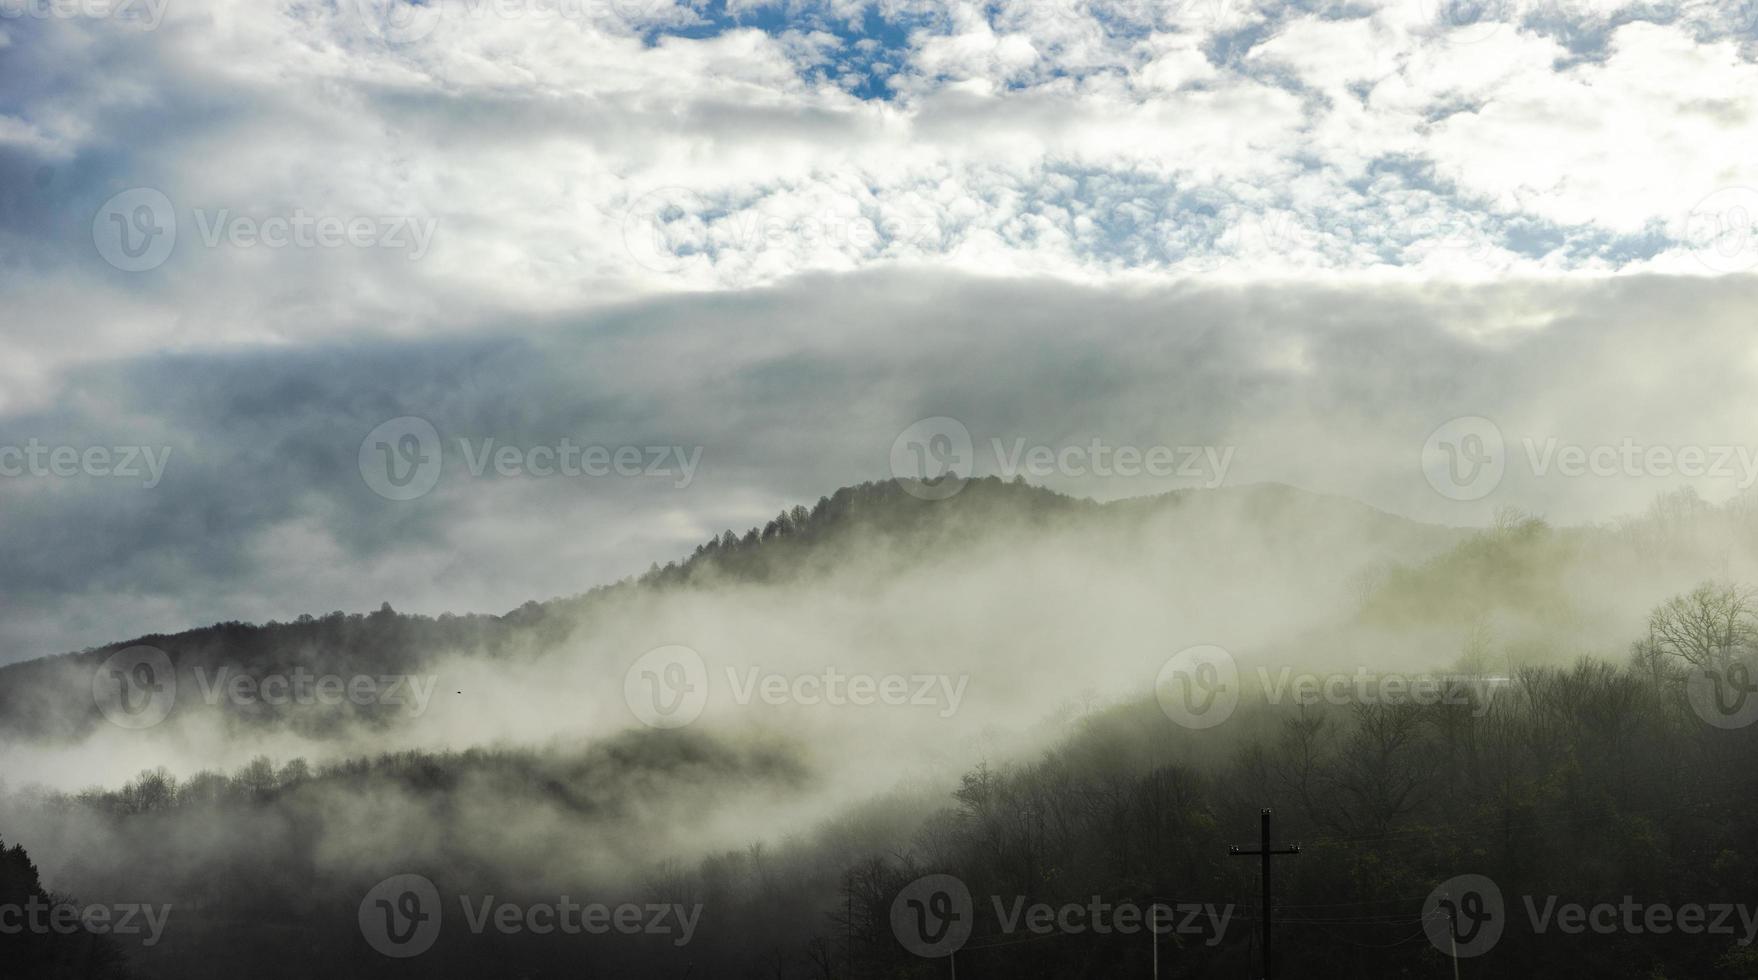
[[1518, 567]]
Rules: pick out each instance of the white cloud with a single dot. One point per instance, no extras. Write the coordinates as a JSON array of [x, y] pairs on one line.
[[1014, 134], [587, 163]]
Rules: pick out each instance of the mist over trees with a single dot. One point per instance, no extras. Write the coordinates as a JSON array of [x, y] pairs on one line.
[[1575, 765]]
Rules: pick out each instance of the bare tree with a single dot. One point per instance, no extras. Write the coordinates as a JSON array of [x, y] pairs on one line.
[[1383, 766], [1706, 627], [1510, 521], [1475, 651]]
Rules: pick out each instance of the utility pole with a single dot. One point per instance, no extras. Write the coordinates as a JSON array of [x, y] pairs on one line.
[[1452, 934], [1265, 851], [1154, 935]]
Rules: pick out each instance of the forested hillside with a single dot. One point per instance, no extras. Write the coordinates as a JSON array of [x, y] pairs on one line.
[[1573, 758]]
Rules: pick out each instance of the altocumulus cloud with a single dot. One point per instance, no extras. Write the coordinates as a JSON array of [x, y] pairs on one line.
[[251, 233], [587, 153]]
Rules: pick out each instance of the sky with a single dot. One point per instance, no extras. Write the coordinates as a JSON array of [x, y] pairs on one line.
[[316, 299]]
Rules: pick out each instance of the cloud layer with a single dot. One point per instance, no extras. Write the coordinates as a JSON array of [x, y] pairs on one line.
[[581, 153], [251, 233], [268, 506]]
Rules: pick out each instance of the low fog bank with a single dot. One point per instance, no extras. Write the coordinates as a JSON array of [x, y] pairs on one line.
[[1015, 616], [988, 612]]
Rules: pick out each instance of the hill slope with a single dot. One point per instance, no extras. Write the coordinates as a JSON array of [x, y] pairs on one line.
[[878, 527]]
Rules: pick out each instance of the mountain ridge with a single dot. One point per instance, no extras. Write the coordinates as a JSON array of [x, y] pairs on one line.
[[785, 525], [878, 523]]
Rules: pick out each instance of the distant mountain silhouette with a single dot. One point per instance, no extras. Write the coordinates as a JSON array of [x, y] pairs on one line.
[[50, 698]]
